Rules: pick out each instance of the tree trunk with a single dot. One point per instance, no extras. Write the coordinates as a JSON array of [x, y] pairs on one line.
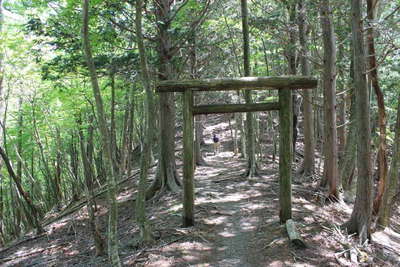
[[348, 161], [200, 161], [125, 132], [17, 205], [167, 176], [57, 174], [341, 130], [391, 189], [199, 122], [329, 84], [360, 221], [373, 74], [291, 57], [74, 163], [113, 130], [19, 138], [51, 197], [88, 172], [250, 137], [144, 226], [17, 180], [341, 106], [2, 238], [309, 141], [1, 60], [105, 139]]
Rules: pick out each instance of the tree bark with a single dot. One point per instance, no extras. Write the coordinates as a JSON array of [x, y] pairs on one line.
[[250, 137], [348, 161], [291, 57], [167, 176], [373, 74], [360, 221], [329, 84], [200, 161], [113, 130], [106, 145], [58, 169], [51, 197], [309, 141], [144, 226], [285, 155], [74, 164], [1, 59], [17, 180], [2, 238], [391, 189], [88, 172]]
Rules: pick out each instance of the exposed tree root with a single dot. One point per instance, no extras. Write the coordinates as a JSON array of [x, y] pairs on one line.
[[167, 181]]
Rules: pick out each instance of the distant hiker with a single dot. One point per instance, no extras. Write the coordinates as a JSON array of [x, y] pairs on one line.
[[216, 144]]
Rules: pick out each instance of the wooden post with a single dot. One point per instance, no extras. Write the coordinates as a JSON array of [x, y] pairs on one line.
[[188, 159], [285, 154]]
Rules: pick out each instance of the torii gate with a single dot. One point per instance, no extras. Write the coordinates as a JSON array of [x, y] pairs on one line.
[[283, 83]]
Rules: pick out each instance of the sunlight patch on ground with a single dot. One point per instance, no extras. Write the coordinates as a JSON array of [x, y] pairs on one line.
[[222, 154], [229, 198], [227, 234], [125, 196], [188, 251], [248, 226], [214, 128], [23, 250], [217, 220], [387, 237], [253, 206], [56, 226]]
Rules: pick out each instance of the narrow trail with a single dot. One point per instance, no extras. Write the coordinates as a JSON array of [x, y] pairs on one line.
[[236, 218], [237, 224], [239, 211]]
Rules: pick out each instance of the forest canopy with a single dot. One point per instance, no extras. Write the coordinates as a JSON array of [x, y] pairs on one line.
[[81, 119]]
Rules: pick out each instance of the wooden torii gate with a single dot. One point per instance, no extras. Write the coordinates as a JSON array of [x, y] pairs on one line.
[[284, 83]]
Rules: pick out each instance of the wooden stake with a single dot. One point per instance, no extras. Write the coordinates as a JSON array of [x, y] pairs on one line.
[[294, 235], [188, 159], [285, 154]]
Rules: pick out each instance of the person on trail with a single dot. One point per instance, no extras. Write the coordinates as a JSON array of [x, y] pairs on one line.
[[216, 143]]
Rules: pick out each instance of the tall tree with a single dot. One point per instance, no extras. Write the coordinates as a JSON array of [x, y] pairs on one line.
[[168, 45], [194, 74], [309, 142], [373, 75], [87, 161], [1, 57], [329, 84], [292, 67], [2, 238], [391, 188], [251, 158], [33, 213], [106, 143], [167, 175], [347, 163], [145, 231], [360, 221]]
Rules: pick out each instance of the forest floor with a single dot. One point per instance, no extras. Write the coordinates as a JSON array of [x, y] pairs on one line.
[[237, 224]]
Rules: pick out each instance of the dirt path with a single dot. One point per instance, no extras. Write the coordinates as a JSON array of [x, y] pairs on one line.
[[237, 215], [237, 224]]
